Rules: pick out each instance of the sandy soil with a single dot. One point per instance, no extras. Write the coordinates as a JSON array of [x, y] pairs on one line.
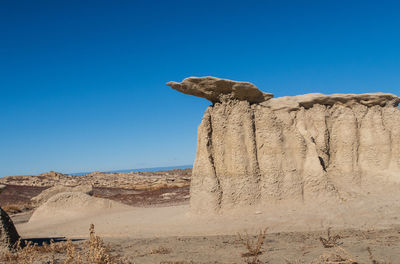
[[278, 247], [159, 230]]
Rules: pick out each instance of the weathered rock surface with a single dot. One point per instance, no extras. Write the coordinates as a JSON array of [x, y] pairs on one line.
[[8, 234], [50, 192], [218, 90], [301, 148], [69, 205]]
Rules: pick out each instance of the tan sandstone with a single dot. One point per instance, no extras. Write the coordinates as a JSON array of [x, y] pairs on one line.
[[65, 206], [314, 147], [50, 192]]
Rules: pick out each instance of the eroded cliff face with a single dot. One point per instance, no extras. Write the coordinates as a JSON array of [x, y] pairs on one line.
[[301, 148]]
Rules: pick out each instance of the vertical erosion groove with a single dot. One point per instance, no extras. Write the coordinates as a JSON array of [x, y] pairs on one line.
[[218, 189], [389, 131], [321, 161], [327, 138], [257, 169], [357, 166], [300, 166]]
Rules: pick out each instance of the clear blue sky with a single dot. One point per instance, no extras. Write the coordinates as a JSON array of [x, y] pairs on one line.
[[82, 83]]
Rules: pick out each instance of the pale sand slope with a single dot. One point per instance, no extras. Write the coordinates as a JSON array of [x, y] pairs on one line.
[[112, 219]]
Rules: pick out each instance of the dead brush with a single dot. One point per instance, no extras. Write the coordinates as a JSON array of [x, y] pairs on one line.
[[33, 253], [330, 241], [97, 252], [254, 248], [93, 251]]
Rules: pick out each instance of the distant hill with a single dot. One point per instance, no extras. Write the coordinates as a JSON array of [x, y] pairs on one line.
[[138, 170]]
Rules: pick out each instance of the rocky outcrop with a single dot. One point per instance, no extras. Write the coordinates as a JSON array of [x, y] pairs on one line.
[[8, 234], [145, 180], [301, 148], [50, 192], [70, 205]]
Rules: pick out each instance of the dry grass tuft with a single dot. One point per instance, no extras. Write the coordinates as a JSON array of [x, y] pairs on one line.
[[330, 241], [253, 248]]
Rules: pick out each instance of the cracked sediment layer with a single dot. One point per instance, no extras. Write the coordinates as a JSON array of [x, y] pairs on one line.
[[303, 148]]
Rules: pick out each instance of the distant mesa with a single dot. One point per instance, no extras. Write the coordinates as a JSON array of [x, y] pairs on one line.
[[52, 174], [253, 149]]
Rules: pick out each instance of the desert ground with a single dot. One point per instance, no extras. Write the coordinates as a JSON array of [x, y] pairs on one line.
[[155, 225]]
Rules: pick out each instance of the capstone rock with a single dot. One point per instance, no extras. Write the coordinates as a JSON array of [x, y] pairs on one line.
[[218, 90]]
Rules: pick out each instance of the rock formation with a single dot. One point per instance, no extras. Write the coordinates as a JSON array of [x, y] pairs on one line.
[[254, 149], [50, 192], [144, 180], [70, 205], [217, 90], [8, 234]]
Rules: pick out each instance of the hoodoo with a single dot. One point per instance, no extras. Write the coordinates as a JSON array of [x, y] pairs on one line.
[[254, 149]]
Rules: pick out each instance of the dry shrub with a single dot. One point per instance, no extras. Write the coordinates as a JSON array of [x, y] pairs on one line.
[[253, 247], [97, 252], [93, 251], [330, 241], [32, 253]]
